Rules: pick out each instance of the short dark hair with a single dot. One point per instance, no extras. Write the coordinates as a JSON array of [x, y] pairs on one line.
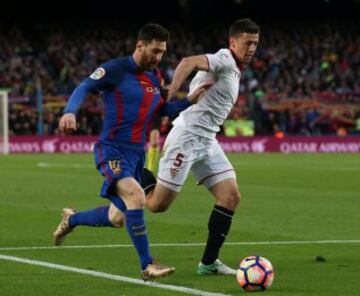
[[153, 31], [245, 25]]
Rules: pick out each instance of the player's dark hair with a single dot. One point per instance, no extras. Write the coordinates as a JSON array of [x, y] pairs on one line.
[[245, 25], [153, 31]]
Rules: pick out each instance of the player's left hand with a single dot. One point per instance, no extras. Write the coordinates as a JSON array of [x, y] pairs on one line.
[[196, 95]]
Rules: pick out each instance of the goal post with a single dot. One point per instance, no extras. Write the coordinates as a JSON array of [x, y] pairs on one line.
[[4, 122]]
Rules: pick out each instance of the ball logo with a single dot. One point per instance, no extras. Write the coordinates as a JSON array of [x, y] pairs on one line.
[[98, 74], [174, 172]]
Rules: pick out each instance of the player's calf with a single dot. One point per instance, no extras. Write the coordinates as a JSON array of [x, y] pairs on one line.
[[158, 197]]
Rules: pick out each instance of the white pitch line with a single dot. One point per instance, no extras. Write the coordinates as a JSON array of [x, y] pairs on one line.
[[61, 165], [109, 276], [351, 241]]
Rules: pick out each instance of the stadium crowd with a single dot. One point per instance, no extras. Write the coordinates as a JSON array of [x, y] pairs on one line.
[[304, 80]]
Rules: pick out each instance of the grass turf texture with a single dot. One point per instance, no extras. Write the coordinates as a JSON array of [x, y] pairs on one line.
[[293, 197]]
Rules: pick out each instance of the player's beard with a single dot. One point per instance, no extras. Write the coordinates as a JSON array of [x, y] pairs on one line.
[[147, 64]]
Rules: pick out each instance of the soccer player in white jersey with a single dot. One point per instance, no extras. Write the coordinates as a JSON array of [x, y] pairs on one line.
[[191, 144]]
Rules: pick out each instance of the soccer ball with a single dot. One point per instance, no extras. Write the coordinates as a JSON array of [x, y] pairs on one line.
[[255, 273]]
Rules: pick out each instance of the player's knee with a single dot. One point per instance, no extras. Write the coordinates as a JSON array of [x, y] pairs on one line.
[[134, 197], [235, 198], [232, 199], [137, 201]]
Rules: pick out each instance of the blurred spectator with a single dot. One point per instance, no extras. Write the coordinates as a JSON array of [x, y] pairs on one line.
[[297, 72]]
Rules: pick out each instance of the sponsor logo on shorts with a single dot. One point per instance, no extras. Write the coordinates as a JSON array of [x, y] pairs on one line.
[[174, 172], [115, 167]]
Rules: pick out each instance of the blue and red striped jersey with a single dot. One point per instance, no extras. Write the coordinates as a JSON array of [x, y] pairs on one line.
[[131, 97]]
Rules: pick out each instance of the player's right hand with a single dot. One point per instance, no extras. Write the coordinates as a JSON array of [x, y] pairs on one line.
[[196, 95], [67, 123]]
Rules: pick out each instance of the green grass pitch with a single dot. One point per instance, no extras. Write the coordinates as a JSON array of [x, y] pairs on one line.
[[295, 197]]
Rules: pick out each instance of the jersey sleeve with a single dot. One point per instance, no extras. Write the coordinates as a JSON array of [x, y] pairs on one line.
[[173, 108], [219, 62], [104, 77]]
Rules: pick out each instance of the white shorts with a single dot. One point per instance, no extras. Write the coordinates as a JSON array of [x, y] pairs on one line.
[[184, 151]]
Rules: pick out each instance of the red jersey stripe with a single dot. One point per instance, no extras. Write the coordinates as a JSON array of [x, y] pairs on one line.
[[119, 113], [138, 127]]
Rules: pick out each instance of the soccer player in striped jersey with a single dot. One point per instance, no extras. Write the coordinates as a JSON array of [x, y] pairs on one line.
[[131, 89]]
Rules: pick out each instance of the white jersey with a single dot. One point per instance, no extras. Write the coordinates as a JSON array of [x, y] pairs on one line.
[[206, 117]]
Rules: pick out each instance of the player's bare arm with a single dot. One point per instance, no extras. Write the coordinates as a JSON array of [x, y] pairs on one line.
[[185, 68]]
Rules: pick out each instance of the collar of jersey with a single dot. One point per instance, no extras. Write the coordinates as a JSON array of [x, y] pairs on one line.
[[240, 65]]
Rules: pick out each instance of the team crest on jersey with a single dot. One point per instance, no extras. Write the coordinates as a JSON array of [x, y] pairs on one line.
[[98, 74], [222, 56], [115, 166]]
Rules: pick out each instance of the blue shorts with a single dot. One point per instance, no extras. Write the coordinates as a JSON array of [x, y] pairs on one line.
[[116, 163]]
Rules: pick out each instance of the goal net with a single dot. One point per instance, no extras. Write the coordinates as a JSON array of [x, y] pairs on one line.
[[4, 122]]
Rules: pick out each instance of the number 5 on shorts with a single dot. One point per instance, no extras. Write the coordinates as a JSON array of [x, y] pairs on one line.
[[179, 159]]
